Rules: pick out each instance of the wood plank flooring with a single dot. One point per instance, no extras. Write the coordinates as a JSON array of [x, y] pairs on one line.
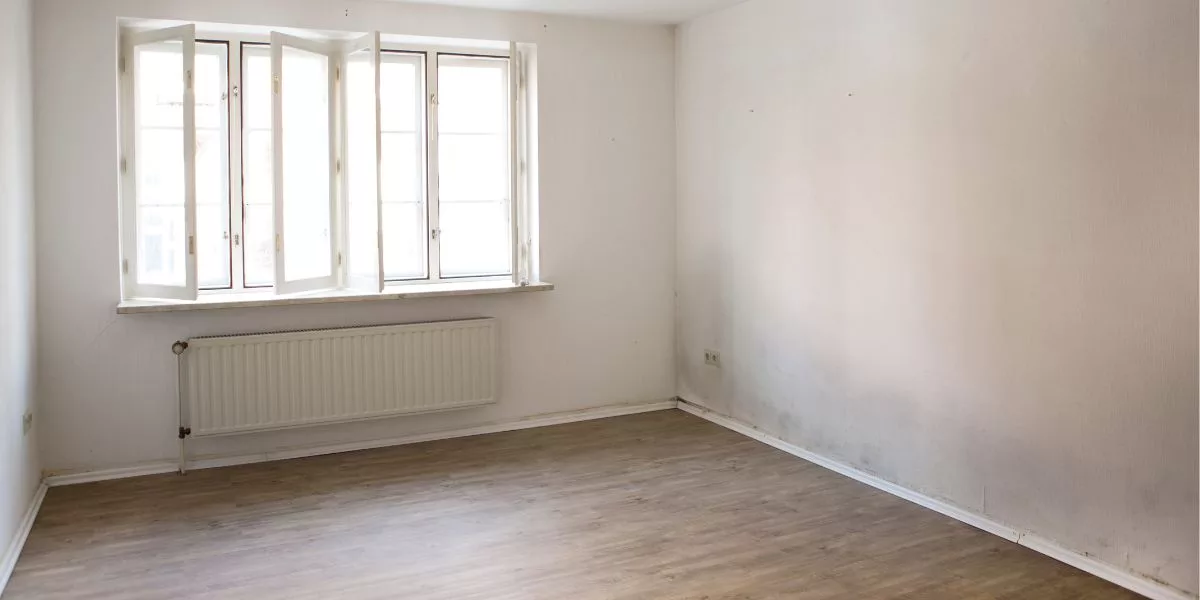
[[654, 506]]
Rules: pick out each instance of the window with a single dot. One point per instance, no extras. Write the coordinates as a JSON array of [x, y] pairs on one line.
[[286, 163]]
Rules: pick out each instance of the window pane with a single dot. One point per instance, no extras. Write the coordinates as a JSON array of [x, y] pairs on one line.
[[160, 245], [472, 95], [404, 249], [401, 176], [258, 204], [212, 67], [257, 245], [473, 166], [160, 166], [212, 166], [212, 210], [212, 252], [159, 84], [362, 189], [399, 90], [158, 148], [475, 239], [306, 161], [256, 86], [402, 112]]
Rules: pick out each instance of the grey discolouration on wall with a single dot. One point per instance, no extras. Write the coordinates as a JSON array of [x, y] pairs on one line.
[[19, 470], [954, 244]]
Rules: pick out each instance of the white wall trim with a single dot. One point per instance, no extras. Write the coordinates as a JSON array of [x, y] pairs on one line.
[[170, 466], [1130, 581], [20, 535]]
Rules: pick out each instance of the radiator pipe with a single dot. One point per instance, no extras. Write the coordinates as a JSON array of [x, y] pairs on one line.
[[178, 348]]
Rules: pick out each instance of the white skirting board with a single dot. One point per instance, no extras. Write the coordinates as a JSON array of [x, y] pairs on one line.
[[19, 536], [171, 466], [1121, 577]]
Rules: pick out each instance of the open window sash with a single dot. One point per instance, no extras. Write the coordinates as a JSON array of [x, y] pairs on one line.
[[362, 233], [304, 162], [159, 164]]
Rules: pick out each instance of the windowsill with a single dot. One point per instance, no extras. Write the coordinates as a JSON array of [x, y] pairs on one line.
[[399, 292]]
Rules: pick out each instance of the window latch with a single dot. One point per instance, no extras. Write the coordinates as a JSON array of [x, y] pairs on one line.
[[435, 233]]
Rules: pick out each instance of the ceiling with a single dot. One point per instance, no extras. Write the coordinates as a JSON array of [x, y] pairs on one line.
[[650, 11]]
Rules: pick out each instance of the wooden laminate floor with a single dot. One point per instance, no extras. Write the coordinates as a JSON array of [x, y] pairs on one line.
[[655, 506]]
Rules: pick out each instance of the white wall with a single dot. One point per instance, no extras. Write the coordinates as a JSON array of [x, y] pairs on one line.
[[954, 244], [107, 382], [19, 471]]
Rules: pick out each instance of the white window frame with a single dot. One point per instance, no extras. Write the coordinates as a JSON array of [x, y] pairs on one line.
[[521, 223], [372, 278], [127, 66], [278, 90]]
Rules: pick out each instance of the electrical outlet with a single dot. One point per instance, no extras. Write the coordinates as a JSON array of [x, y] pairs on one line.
[[712, 358], [27, 423]]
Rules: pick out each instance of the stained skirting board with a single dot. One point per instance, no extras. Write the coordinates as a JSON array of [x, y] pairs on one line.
[[1121, 577], [9, 561], [171, 466]]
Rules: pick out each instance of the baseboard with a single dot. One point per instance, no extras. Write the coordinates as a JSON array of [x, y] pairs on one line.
[[1130, 581], [13, 551], [208, 462]]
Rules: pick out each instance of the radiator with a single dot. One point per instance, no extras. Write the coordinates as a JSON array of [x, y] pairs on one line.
[[246, 383]]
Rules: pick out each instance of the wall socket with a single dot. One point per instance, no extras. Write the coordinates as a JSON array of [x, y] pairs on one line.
[[712, 358], [27, 423]]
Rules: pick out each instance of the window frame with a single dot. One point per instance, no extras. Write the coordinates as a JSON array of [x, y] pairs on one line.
[[128, 166], [428, 53]]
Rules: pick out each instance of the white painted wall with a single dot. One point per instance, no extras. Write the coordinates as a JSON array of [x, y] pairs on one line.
[[953, 244], [107, 382], [19, 471]]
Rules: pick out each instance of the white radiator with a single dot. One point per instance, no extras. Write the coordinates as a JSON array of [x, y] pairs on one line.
[[245, 383]]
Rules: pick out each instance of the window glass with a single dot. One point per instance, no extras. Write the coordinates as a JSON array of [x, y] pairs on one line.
[[402, 132], [473, 166], [258, 247], [304, 89]]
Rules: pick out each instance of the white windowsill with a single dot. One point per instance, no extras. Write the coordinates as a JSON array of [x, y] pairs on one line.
[[399, 292]]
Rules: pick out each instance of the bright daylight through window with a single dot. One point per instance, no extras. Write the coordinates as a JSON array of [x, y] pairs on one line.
[[253, 163]]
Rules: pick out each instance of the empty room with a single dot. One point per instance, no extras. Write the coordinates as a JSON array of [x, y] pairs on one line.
[[600, 299]]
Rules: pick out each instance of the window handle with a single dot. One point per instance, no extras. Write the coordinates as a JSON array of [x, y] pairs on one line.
[[435, 233]]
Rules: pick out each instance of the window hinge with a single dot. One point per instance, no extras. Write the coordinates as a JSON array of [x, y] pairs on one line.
[[125, 266], [191, 244], [434, 233], [339, 257], [189, 79], [337, 166], [433, 100], [275, 84], [237, 240], [337, 73], [278, 243], [121, 63], [124, 165]]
